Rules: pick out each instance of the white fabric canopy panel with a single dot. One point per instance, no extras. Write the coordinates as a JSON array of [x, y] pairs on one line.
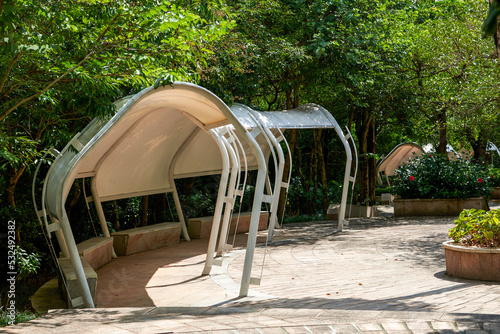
[[159, 135]]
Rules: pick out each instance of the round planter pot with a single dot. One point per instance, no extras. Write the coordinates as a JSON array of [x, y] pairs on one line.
[[475, 263]]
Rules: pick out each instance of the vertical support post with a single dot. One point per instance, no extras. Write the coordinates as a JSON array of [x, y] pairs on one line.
[[98, 207], [220, 203], [273, 142], [175, 194], [100, 212], [254, 220], [277, 184], [347, 175], [74, 257], [180, 214]]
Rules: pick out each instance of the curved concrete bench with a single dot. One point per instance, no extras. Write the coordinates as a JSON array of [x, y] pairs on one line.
[[142, 239], [72, 288], [200, 228], [96, 251]]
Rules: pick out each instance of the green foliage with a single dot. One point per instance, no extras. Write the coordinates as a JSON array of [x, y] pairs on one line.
[[304, 218], [433, 176], [20, 317], [495, 177], [17, 150], [380, 191], [300, 199], [63, 63], [27, 263], [477, 228]]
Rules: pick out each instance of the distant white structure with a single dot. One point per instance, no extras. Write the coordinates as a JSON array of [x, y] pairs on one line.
[[399, 155]]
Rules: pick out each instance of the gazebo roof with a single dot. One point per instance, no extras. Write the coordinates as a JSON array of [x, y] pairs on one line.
[[399, 155]]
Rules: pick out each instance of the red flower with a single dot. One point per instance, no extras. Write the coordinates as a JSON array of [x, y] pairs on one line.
[[412, 178], [480, 180], [430, 155]]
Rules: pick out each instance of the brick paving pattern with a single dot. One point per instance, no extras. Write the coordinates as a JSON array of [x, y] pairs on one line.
[[380, 275]]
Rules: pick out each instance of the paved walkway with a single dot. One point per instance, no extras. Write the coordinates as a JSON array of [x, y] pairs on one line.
[[380, 275]]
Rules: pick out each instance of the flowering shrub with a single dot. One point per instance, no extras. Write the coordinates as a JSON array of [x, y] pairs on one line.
[[477, 228], [495, 177], [433, 176]]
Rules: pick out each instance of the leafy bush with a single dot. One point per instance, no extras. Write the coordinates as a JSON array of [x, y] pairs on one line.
[[433, 176], [380, 191], [477, 228], [303, 201], [495, 177], [19, 317]]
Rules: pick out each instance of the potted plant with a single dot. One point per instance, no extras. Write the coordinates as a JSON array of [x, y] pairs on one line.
[[495, 182], [432, 185], [474, 252]]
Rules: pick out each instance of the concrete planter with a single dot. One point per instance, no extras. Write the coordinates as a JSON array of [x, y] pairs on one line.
[[437, 207], [353, 211], [496, 193], [472, 262]]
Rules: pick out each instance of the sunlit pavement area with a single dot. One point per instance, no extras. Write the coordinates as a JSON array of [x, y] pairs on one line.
[[379, 275]]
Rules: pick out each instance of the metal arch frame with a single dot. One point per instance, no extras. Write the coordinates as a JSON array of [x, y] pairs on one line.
[[279, 164], [229, 199], [493, 147], [347, 172], [352, 178], [233, 146], [224, 180]]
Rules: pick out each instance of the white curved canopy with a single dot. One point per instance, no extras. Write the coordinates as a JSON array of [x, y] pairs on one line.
[[399, 155], [162, 134]]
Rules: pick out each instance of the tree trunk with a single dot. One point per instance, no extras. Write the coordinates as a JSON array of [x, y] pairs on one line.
[[117, 216], [15, 175], [322, 168], [161, 207], [71, 202], [496, 36], [364, 121], [443, 141], [188, 185], [478, 145], [313, 174], [292, 141], [144, 211], [372, 162]]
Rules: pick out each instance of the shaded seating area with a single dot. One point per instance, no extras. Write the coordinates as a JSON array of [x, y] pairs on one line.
[[168, 133], [145, 238]]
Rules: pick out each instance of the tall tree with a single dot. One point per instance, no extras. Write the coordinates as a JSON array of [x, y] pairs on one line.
[[64, 62]]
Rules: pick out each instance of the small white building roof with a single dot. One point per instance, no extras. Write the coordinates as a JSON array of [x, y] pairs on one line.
[[399, 155]]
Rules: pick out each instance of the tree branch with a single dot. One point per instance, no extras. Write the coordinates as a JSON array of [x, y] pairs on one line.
[[11, 65], [20, 103]]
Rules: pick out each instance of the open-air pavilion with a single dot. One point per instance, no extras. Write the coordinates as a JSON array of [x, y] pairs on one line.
[[399, 155], [168, 133]]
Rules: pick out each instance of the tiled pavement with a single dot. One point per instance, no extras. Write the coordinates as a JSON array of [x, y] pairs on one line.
[[380, 275]]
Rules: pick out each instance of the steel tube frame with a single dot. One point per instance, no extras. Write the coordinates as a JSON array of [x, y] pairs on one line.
[[220, 203], [230, 198]]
